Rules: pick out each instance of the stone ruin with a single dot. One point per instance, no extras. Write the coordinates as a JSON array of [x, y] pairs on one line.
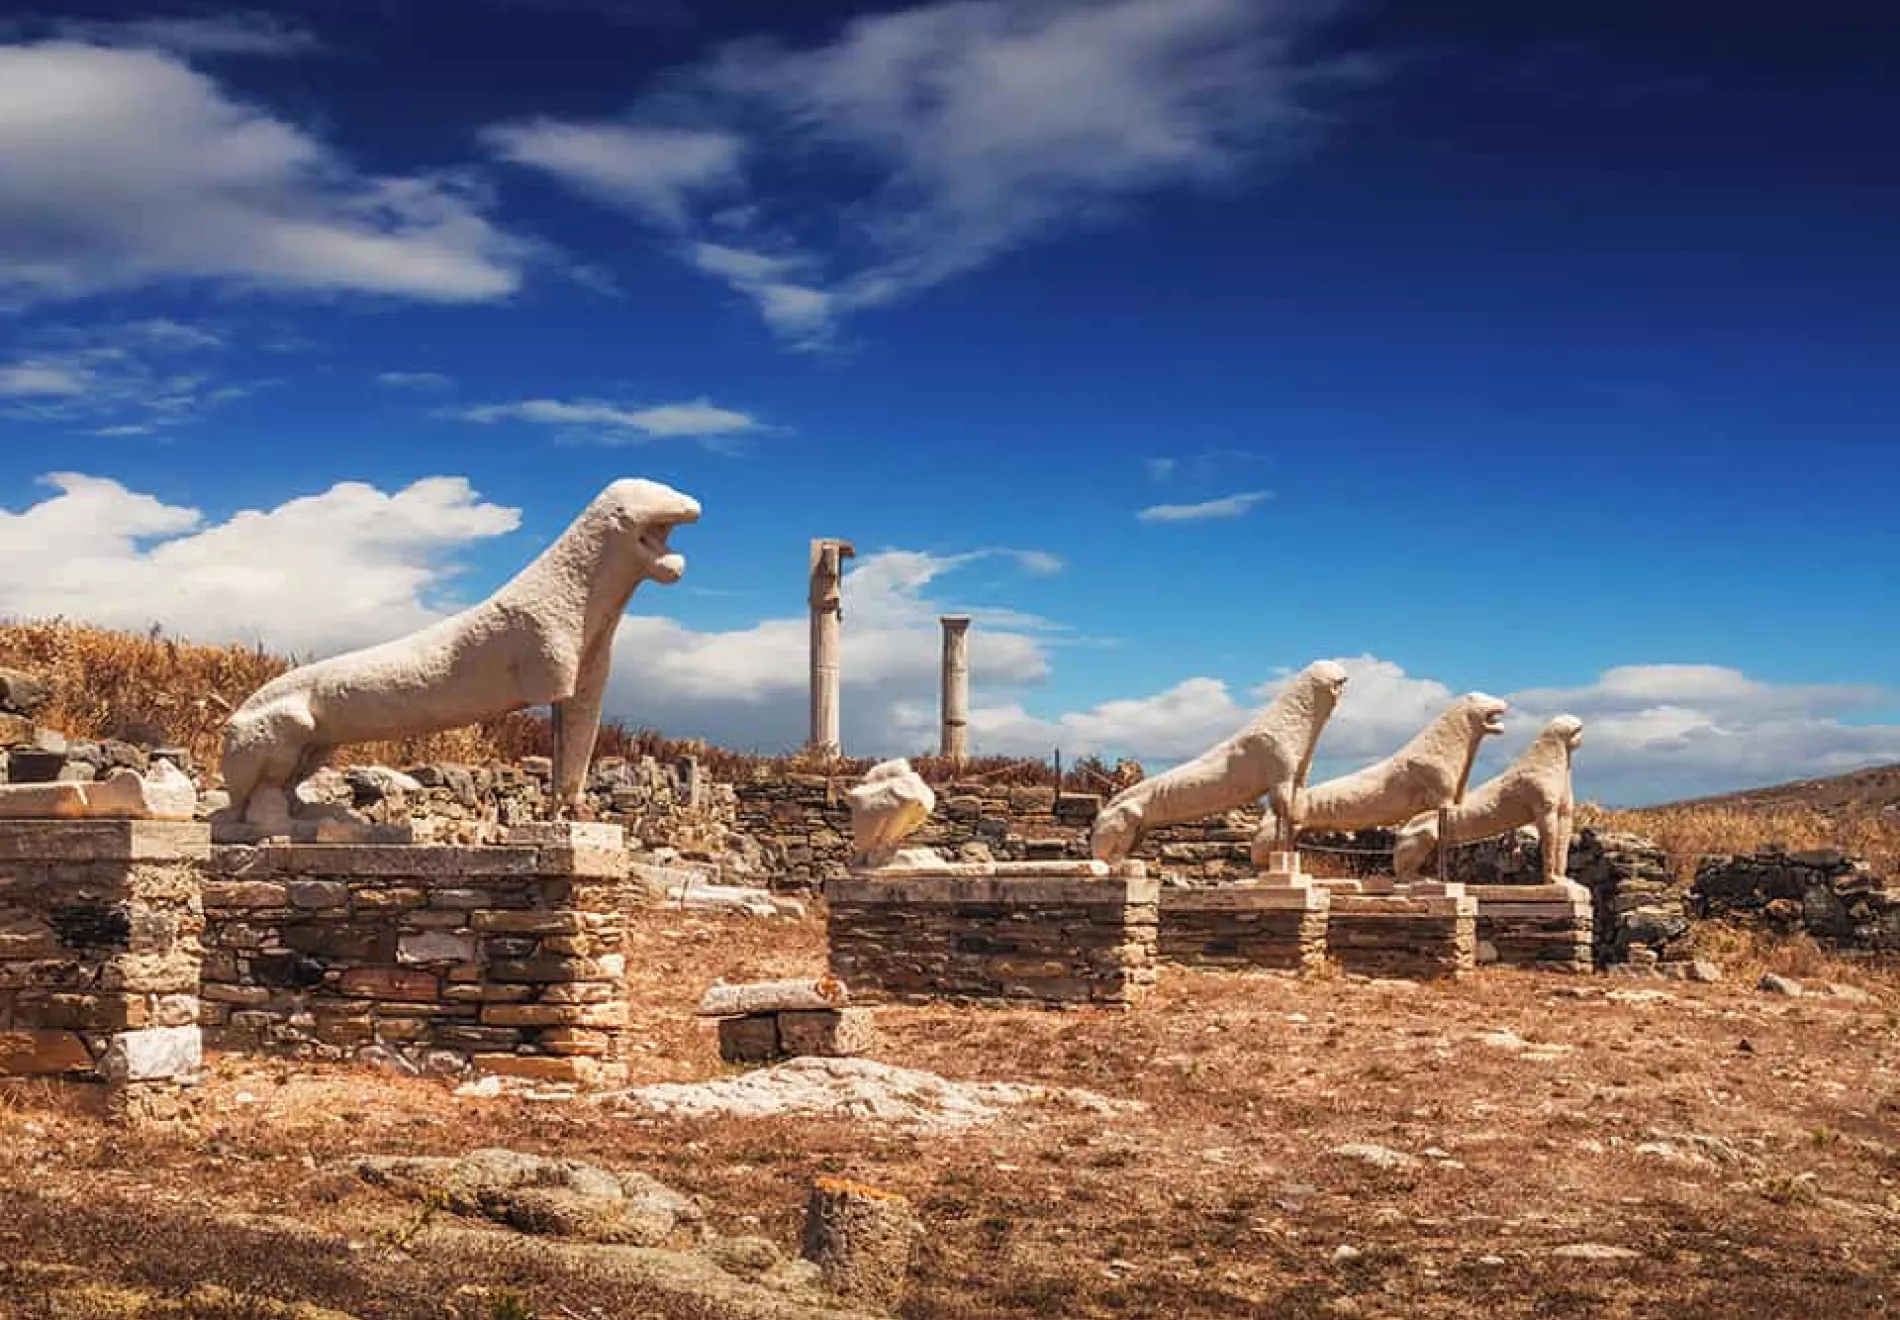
[[448, 919]]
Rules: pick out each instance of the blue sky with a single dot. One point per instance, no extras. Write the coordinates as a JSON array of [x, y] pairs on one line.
[[1181, 341]]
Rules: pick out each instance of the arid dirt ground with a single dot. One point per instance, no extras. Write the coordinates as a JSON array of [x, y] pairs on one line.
[[1742, 1148]]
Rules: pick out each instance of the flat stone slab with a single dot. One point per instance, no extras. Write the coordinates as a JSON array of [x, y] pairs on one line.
[[103, 840], [1244, 898], [569, 834], [907, 868], [417, 860], [998, 887]]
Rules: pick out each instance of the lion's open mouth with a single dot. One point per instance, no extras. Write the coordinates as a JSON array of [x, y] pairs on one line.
[[1494, 722], [665, 563]]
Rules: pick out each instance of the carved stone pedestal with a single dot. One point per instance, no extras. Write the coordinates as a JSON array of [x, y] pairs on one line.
[[1544, 927], [1415, 936], [1279, 927]]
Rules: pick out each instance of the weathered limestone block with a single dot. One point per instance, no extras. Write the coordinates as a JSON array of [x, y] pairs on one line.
[[722, 1000], [861, 1239], [830, 1033], [41, 1053], [164, 793]]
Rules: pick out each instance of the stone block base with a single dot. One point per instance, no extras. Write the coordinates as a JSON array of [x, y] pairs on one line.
[[764, 1037], [1399, 935], [1282, 928], [1048, 933], [1545, 927], [430, 958]]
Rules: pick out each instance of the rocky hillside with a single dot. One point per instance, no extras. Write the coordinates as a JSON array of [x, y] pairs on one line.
[[1858, 792]]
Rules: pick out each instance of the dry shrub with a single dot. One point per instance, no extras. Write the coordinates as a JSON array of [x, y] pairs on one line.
[[1690, 833]]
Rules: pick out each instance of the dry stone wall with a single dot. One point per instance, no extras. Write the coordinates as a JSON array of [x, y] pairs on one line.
[[1824, 893], [100, 957], [508, 959]]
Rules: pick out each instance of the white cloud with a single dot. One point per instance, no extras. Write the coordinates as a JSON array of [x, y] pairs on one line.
[[126, 167], [239, 32], [1227, 506], [97, 551], [414, 380], [950, 133], [609, 423], [655, 171]]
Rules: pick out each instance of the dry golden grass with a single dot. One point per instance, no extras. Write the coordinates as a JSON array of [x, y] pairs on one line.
[[1688, 833]]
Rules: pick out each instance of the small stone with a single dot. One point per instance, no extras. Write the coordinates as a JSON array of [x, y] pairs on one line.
[[1380, 1157], [1772, 984], [153, 1054], [23, 694], [1694, 969], [1491, 1262], [1853, 994], [1595, 1251], [1346, 1255]]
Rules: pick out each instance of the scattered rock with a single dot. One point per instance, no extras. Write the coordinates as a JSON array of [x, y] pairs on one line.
[[534, 1194], [1694, 969], [1595, 1251], [1772, 984], [23, 694], [1344, 1254], [856, 1088], [1380, 1157], [1853, 994]]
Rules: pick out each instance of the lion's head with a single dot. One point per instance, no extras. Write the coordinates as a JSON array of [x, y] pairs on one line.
[[1483, 713], [649, 511], [1565, 729]]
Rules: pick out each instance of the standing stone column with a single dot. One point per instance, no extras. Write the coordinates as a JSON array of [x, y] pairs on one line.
[[827, 614], [956, 687]]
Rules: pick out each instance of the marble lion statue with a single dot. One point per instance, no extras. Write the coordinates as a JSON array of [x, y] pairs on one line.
[[1535, 790], [1270, 758], [1428, 772], [545, 638]]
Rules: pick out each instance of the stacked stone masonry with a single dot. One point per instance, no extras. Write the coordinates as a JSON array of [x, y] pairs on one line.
[[1540, 927], [1823, 893], [1281, 929], [508, 959], [100, 924], [1405, 936], [1041, 939]]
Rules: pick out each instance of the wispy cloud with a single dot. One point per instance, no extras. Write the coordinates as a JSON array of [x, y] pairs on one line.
[[117, 378], [654, 171], [608, 423], [415, 380], [236, 32], [947, 133], [1227, 506], [127, 167]]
